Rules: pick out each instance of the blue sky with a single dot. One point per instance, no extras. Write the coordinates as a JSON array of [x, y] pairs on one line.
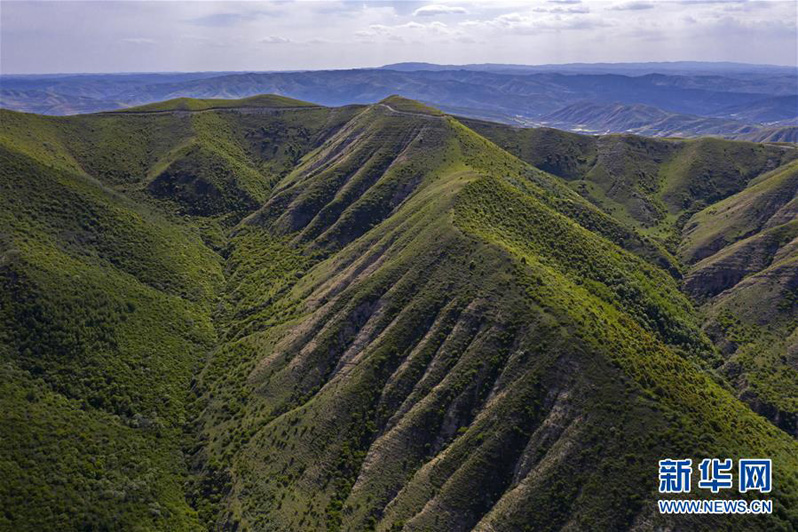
[[136, 36]]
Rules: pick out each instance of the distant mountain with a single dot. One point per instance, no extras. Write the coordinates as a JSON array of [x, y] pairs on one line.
[[726, 98], [596, 117], [776, 134], [746, 122], [638, 119], [674, 67], [521, 95], [51, 103], [767, 110]]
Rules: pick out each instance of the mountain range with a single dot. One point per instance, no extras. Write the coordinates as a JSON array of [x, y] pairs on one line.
[[655, 99], [268, 314]]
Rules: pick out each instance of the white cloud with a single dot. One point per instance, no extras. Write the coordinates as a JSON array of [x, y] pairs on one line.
[[273, 39], [564, 10], [439, 9], [540, 20], [408, 31], [632, 6]]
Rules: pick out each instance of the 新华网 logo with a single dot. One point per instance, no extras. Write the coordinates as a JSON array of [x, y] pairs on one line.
[[716, 475]]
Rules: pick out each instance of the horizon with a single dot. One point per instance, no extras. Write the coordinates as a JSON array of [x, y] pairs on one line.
[[385, 67], [128, 37]]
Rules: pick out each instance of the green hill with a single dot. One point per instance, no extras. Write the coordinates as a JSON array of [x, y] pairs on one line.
[[745, 254], [362, 318], [727, 210], [264, 101], [653, 185]]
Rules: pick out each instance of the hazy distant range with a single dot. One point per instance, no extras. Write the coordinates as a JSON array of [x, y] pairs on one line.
[[682, 99]]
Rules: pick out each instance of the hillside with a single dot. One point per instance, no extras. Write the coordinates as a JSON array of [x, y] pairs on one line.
[[653, 185], [269, 315], [108, 298], [737, 254], [191, 104], [745, 255]]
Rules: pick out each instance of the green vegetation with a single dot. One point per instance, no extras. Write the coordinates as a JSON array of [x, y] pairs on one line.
[[268, 315], [652, 185], [767, 202], [192, 104], [404, 105], [105, 318], [748, 244]]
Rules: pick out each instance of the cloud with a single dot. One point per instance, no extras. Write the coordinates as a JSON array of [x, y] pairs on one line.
[[699, 2], [344, 8], [565, 10], [532, 23], [139, 41], [205, 41], [273, 39], [382, 29], [438, 9], [632, 6], [565, 1], [412, 32]]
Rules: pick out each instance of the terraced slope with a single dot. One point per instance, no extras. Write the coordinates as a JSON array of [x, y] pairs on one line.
[[384, 320]]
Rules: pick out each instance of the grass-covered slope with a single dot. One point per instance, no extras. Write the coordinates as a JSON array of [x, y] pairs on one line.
[[366, 318], [653, 185], [769, 201], [745, 254], [104, 318], [727, 210], [221, 162], [192, 104], [106, 306]]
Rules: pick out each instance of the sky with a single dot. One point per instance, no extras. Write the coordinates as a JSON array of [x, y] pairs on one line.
[[169, 36]]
